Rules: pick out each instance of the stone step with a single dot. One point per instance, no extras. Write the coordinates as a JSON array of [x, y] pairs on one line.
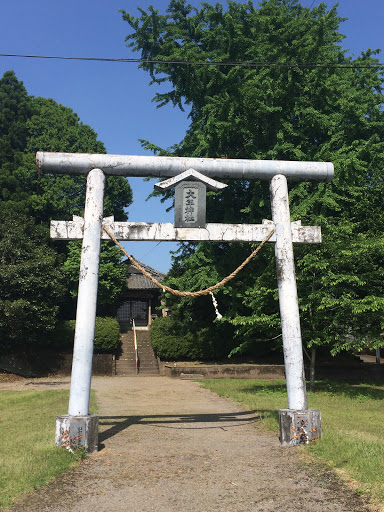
[[130, 346], [120, 362], [129, 349], [138, 375], [140, 350], [132, 371], [130, 362], [126, 362], [142, 372], [131, 357], [126, 365]]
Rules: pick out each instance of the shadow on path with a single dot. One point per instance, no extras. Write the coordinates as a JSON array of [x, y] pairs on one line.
[[184, 421]]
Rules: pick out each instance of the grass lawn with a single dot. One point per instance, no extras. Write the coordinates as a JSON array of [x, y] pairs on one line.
[[352, 422], [28, 454]]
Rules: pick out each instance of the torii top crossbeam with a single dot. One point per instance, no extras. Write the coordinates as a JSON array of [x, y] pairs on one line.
[[163, 166]]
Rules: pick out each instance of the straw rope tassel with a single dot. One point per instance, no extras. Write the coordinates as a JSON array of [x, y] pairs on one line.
[[214, 302]]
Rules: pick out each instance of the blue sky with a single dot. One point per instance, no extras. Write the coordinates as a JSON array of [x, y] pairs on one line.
[[115, 98]]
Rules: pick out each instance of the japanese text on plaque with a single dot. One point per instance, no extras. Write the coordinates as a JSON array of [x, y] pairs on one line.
[[190, 198]]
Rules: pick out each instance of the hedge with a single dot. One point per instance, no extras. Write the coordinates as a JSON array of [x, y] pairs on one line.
[[107, 335], [174, 340]]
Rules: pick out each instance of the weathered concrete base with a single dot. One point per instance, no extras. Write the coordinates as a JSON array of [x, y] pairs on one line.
[[299, 427], [77, 431]]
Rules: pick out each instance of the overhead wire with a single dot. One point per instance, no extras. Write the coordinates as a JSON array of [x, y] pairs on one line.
[[249, 64], [150, 250]]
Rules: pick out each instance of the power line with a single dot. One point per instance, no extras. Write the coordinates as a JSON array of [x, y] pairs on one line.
[[150, 250], [379, 65]]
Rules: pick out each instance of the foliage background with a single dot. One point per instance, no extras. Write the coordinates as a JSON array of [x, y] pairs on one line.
[[107, 335], [37, 284], [286, 111]]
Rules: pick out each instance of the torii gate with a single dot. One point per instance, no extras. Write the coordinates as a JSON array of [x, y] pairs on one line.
[[297, 423]]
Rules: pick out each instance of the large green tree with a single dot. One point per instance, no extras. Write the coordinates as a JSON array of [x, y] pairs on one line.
[[32, 284], [27, 125], [281, 107], [15, 110]]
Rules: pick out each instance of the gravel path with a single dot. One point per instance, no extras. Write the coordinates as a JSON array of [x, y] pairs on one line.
[[169, 445]]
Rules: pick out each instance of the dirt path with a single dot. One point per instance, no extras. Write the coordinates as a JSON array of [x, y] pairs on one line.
[[168, 445]]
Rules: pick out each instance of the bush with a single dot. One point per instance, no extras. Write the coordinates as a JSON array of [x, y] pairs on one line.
[[175, 340], [63, 335], [107, 335]]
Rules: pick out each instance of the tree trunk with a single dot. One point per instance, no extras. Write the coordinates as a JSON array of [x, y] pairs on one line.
[[312, 369]]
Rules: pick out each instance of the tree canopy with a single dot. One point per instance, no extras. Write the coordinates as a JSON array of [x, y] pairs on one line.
[[31, 282], [35, 290], [301, 97], [28, 125]]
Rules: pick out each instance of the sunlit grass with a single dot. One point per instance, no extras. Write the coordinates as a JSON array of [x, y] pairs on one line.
[[352, 422], [28, 454]]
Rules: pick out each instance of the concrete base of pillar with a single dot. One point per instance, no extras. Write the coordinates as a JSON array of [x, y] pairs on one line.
[[75, 432], [299, 427]]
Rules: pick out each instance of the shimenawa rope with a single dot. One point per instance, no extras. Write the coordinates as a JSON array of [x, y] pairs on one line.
[[189, 294]]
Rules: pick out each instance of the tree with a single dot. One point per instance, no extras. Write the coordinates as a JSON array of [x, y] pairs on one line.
[[31, 282], [27, 125], [281, 109], [40, 124], [112, 275], [15, 110]]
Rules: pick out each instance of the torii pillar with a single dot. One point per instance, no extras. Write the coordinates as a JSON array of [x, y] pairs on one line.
[[298, 424], [79, 427]]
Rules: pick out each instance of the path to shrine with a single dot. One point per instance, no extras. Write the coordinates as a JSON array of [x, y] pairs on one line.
[[169, 445]]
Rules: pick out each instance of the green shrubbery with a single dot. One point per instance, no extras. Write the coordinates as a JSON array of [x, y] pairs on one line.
[[175, 340], [107, 335]]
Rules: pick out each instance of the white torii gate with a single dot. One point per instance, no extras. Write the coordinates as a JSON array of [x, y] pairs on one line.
[[297, 423]]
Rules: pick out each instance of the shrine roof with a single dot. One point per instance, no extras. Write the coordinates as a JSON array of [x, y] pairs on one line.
[[137, 281]]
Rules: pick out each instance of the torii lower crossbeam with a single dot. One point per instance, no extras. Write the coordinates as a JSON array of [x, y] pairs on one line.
[[166, 232]]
